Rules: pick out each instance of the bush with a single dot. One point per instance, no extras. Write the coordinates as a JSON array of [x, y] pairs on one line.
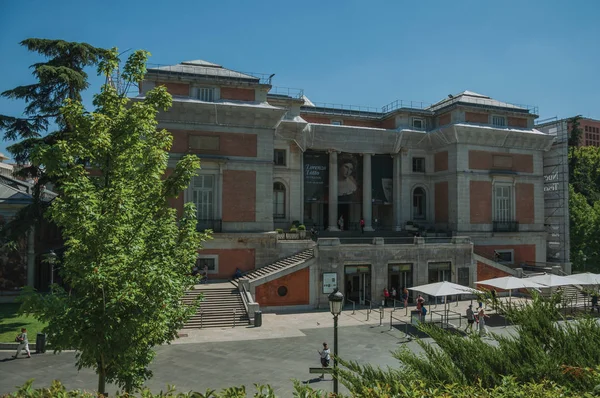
[[279, 230], [293, 230], [301, 227], [295, 223]]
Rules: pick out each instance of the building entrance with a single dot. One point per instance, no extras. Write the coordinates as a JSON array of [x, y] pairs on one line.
[[400, 276], [358, 283], [439, 272]]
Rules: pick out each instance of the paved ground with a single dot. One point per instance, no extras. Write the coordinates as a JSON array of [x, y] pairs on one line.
[[282, 350]]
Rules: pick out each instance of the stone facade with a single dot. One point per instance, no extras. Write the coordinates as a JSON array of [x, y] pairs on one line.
[[466, 166]]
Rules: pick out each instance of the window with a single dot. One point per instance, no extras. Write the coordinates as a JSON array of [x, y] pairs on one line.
[[504, 256], [202, 188], [418, 165], [418, 123], [499, 121], [586, 128], [211, 262], [203, 142], [206, 94], [337, 122], [279, 157], [278, 200], [503, 202], [419, 203]]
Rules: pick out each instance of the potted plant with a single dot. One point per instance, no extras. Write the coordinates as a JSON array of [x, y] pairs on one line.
[[280, 233], [293, 234], [302, 231]]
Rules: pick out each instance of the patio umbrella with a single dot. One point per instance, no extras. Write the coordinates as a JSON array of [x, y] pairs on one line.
[[510, 282], [586, 278], [552, 280], [444, 289]]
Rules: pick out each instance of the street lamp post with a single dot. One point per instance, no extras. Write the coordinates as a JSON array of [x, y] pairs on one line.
[[336, 302]]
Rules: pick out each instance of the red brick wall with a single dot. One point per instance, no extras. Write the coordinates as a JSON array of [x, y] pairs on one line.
[[444, 119], [517, 122], [238, 94], [522, 253], [484, 160], [229, 260], [389, 123], [239, 196], [481, 202], [315, 119], [441, 201], [472, 117], [525, 203], [182, 89], [441, 161], [361, 123], [485, 272], [230, 144], [297, 285]]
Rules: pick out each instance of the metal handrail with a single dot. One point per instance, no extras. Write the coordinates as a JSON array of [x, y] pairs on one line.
[[353, 305], [201, 318], [406, 324], [287, 92], [234, 316], [400, 104]]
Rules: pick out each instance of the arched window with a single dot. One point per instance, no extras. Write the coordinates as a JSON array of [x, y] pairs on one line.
[[419, 204], [278, 200]]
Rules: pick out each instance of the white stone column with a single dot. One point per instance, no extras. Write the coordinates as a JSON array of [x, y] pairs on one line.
[[333, 192], [397, 193], [367, 205]]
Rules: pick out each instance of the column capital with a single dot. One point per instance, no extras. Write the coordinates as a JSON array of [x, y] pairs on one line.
[[334, 150]]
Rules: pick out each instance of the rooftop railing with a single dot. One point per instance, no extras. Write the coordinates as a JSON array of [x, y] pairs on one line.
[[342, 109], [402, 104], [485, 103], [287, 92]]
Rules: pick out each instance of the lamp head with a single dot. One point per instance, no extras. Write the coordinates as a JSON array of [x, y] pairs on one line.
[[336, 302]]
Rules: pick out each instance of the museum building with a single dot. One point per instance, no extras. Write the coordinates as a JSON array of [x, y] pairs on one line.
[[447, 191]]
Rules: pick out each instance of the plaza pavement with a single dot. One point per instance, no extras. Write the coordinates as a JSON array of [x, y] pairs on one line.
[[281, 350]]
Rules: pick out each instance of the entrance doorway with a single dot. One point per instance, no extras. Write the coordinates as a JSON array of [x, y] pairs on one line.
[[358, 283], [400, 277], [439, 272]]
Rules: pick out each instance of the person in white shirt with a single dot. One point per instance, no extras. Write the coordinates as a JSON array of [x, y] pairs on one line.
[[23, 343], [325, 358]]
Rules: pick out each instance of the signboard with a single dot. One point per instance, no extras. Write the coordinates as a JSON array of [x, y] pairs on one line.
[[349, 178], [329, 282], [316, 176], [382, 173]]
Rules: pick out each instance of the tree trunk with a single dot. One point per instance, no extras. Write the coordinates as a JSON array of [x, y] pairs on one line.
[[102, 382]]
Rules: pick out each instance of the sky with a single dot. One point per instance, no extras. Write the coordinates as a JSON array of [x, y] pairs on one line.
[[535, 52]]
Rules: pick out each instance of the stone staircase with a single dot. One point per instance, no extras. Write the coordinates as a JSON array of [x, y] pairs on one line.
[[280, 265], [217, 309]]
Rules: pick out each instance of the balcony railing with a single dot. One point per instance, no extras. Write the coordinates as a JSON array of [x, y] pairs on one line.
[[214, 225], [506, 226]]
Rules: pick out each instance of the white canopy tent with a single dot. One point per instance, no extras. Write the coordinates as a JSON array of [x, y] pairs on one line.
[[586, 278], [444, 289], [552, 280], [510, 282]]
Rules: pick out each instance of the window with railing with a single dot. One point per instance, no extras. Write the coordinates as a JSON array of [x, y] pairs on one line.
[[202, 194], [206, 94]]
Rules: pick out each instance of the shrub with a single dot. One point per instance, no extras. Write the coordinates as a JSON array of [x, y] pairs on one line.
[[279, 230], [301, 227], [295, 223], [293, 229]]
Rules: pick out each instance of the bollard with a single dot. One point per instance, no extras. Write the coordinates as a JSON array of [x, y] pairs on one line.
[[380, 315]]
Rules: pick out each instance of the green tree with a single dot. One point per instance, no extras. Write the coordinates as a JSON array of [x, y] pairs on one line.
[[573, 143], [584, 232], [61, 77], [128, 256]]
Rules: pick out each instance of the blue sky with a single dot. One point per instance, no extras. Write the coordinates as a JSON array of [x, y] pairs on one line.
[[542, 53]]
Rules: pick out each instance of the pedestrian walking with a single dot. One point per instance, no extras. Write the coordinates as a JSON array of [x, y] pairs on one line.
[[23, 343], [420, 302], [394, 294], [470, 318], [483, 330], [325, 358], [405, 297], [386, 296], [362, 225]]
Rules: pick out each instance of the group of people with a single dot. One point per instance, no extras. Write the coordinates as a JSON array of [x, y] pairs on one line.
[[203, 274], [390, 295], [478, 318]]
